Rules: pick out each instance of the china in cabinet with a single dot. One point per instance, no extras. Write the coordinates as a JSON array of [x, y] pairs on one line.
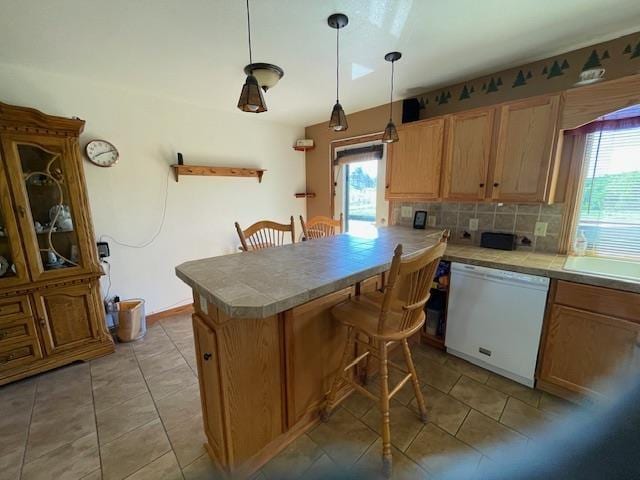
[[50, 305]]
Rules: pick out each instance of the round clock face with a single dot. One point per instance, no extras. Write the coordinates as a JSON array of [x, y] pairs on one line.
[[102, 153]]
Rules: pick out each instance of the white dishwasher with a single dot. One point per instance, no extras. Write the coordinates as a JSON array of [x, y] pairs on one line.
[[494, 319]]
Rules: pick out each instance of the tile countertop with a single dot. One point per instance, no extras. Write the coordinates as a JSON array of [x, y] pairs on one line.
[[265, 282]]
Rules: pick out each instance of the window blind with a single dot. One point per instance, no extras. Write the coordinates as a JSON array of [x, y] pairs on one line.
[[359, 154], [609, 212]]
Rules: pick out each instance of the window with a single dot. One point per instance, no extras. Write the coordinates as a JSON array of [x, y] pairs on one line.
[[609, 211]]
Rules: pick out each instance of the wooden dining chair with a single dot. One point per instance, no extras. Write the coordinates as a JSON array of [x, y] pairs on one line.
[[379, 319], [265, 234], [320, 226]]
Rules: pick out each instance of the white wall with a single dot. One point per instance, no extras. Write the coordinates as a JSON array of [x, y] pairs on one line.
[[127, 199]]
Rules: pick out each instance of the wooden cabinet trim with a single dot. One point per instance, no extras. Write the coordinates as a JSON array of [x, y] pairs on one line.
[[606, 301]]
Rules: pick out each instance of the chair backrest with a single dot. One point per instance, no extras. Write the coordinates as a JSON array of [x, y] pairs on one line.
[[265, 234], [409, 285], [320, 226]]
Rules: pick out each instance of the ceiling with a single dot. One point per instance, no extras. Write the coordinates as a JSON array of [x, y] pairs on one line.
[[195, 50]]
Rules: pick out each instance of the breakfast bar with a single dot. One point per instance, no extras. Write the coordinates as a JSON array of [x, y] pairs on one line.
[[266, 345]]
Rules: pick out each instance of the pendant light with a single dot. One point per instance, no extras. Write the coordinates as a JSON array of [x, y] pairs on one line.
[[390, 133], [338, 121], [251, 99]]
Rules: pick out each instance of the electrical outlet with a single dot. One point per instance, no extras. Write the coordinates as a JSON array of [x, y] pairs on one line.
[[431, 220], [541, 229], [406, 212], [473, 224]]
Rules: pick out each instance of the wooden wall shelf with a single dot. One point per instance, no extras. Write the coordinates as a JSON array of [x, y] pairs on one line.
[[206, 171], [303, 149], [305, 195]]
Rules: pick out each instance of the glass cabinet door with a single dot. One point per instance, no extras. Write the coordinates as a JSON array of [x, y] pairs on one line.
[[13, 270], [47, 185]]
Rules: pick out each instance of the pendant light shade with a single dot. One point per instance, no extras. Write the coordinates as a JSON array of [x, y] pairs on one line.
[[267, 74], [338, 120], [251, 99], [390, 132]]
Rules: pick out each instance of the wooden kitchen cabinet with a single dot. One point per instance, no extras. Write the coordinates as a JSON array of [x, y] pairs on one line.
[[526, 141], [591, 335], [467, 155], [414, 162]]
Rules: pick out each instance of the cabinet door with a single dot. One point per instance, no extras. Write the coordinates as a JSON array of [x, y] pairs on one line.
[[414, 162], [13, 269], [49, 199], [210, 389], [582, 348], [526, 140], [467, 156], [67, 317]]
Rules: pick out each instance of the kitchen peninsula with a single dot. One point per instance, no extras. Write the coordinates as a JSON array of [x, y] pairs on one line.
[[266, 345]]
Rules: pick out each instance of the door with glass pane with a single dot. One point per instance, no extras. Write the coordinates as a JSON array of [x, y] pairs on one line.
[[46, 198], [13, 270]]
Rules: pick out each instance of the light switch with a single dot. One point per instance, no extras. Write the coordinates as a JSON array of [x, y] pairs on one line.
[[407, 212], [541, 229], [431, 220], [473, 224]]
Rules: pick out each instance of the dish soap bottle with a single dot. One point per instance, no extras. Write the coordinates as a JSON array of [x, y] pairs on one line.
[[580, 245]]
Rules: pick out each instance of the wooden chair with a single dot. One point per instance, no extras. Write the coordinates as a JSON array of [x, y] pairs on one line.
[[264, 234], [320, 226], [383, 318]]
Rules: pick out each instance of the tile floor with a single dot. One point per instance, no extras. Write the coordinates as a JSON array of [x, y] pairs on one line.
[[136, 415]]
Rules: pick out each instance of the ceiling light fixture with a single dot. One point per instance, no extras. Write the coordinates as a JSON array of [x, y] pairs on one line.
[[251, 99], [267, 74], [390, 133], [338, 121]]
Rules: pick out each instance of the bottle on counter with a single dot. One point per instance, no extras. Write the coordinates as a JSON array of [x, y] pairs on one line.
[[580, 245]]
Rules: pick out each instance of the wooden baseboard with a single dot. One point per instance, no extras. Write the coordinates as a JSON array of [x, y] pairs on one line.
[[154, 317]]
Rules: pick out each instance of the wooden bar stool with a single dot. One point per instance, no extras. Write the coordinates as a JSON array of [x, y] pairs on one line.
[[383, 318], [264, 234], [320, 226]]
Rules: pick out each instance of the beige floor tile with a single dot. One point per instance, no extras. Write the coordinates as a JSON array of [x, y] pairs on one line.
[[116, 421], [369, 466], [116, 389], [132, 451], [202, 469], [52, 428], [514, 389], [487, 400], [525, 419], [183, 404], [294, 460], [112, 366], [69, 462], [556, 405], [70, 384], [11, 462], [189, 354], [442, 409], [171, 381], [152, 345], [404, 422], [14, 428], [429, 352], [465, 368], [488, 436], [358, 404], [322, 469], [405, 395], [95, 475], [161, 362], [435, 450], [431, 372], [343, 437], [163, 468], [17, 398], [187, 439]]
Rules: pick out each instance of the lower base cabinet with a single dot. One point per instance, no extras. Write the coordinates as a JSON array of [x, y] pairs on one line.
[[591, 339]]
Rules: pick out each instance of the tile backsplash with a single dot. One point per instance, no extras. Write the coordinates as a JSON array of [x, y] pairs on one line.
[[520, 219]]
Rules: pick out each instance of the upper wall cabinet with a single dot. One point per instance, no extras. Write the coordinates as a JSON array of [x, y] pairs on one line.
[[527, 136], [414, 163], [467, 155]]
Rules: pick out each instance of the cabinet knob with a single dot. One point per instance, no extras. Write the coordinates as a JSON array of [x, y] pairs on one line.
[[42, 322], [496, 184], [206, 357], [481, 185], [21, 211]]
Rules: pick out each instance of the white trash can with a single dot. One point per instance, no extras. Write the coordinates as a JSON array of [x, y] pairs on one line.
[[132, 323]]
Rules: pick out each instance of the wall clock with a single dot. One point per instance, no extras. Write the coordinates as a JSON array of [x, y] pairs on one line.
[[102, 153]]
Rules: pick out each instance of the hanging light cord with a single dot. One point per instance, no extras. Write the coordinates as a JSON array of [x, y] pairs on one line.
[[249, 30], [337, 62], [391, 96]]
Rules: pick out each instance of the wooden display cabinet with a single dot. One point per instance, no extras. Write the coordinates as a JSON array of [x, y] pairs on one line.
[[51, 310]]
